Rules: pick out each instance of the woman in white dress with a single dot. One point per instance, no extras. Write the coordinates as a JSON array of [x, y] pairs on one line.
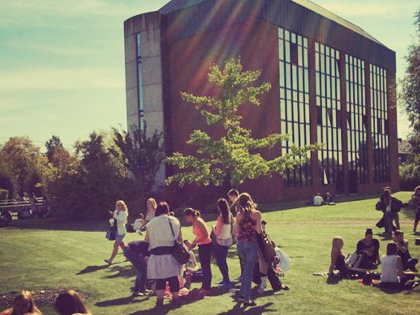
[[162, 231], [120, 215]]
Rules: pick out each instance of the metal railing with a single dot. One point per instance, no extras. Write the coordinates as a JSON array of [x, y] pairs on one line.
[[14, 205]]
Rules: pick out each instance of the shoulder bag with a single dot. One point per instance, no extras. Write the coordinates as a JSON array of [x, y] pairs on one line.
[[111, 234], [179, 251]]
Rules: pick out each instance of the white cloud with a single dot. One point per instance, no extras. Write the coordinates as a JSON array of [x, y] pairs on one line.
[[62, 79]]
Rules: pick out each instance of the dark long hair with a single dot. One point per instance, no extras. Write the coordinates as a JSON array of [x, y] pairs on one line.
[[69, 302], [191, 212], [162, 208], [224, 210]]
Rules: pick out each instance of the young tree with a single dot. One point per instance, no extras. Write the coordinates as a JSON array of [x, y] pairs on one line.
[[142, 156], [236, 155]]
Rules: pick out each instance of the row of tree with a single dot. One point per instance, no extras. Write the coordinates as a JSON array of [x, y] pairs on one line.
[[81, 185], [409, 98]]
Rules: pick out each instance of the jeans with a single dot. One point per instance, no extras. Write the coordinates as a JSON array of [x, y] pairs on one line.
[[388, 218], [141, 266], [411, 263], [221, 254], [396, 218], [248, 254], [204, 253]]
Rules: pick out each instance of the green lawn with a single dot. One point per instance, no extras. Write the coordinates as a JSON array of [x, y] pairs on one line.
[[51, 254]]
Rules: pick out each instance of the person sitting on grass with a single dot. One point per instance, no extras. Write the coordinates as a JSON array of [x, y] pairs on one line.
[[402, 244], [23, 304], [70, 303], [368, 249], [318, 200], [337, 258], [393, 274]]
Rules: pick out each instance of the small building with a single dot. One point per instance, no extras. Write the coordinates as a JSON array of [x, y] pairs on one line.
[[331, 81]]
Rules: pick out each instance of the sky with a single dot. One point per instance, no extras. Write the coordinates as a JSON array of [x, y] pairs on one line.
[[62, 61]]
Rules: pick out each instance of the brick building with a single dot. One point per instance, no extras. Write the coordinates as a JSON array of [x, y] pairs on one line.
[[332, 83]]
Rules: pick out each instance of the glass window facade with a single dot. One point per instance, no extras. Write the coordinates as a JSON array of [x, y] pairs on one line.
[[140, 83], [356, 119], [294, 100], [328, 104], [379, 123]]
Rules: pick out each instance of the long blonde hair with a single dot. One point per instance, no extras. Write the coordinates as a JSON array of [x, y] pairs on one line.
[[122, 203]]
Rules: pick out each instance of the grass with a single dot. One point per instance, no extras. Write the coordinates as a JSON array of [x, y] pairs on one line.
[[53, 254]]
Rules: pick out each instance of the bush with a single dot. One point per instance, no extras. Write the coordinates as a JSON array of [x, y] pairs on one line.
[[409, 176]]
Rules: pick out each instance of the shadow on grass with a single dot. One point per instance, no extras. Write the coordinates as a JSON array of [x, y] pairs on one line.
[[60, 225], [121, 301], [122, 272], [240, 308], [90, 269]]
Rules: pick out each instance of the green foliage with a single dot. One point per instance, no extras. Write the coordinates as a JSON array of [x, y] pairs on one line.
[[140, 155], [409, 97], [86, 187], [410, 174], [236, 155], [22, 160], [410, 87]]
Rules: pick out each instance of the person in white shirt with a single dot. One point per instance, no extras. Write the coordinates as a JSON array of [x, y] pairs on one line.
[[318, 200], [120, 215]]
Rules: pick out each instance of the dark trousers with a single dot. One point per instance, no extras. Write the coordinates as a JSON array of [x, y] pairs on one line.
[[271, 276], [173, 284], [141, 266], [204, 253], [411, 263], [221, 254]]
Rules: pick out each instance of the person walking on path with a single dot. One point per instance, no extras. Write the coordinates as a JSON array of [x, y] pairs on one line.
[[120, 215]]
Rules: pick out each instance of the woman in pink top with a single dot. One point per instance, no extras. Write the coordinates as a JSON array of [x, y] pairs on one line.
[[204, 243]]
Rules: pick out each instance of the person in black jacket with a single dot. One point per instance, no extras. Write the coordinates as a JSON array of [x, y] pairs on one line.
[[390, 206], [136, 252]]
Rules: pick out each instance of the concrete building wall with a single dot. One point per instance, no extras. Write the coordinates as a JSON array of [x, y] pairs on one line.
[[148, 26]]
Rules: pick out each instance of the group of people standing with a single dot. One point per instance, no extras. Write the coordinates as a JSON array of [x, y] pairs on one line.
[[154, 260]]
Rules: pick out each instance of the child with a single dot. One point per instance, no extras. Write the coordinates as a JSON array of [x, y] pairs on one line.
[[138, 224]]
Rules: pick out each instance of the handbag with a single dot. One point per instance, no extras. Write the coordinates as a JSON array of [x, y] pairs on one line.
[[111, 234], [267, 247], [179, 251]]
